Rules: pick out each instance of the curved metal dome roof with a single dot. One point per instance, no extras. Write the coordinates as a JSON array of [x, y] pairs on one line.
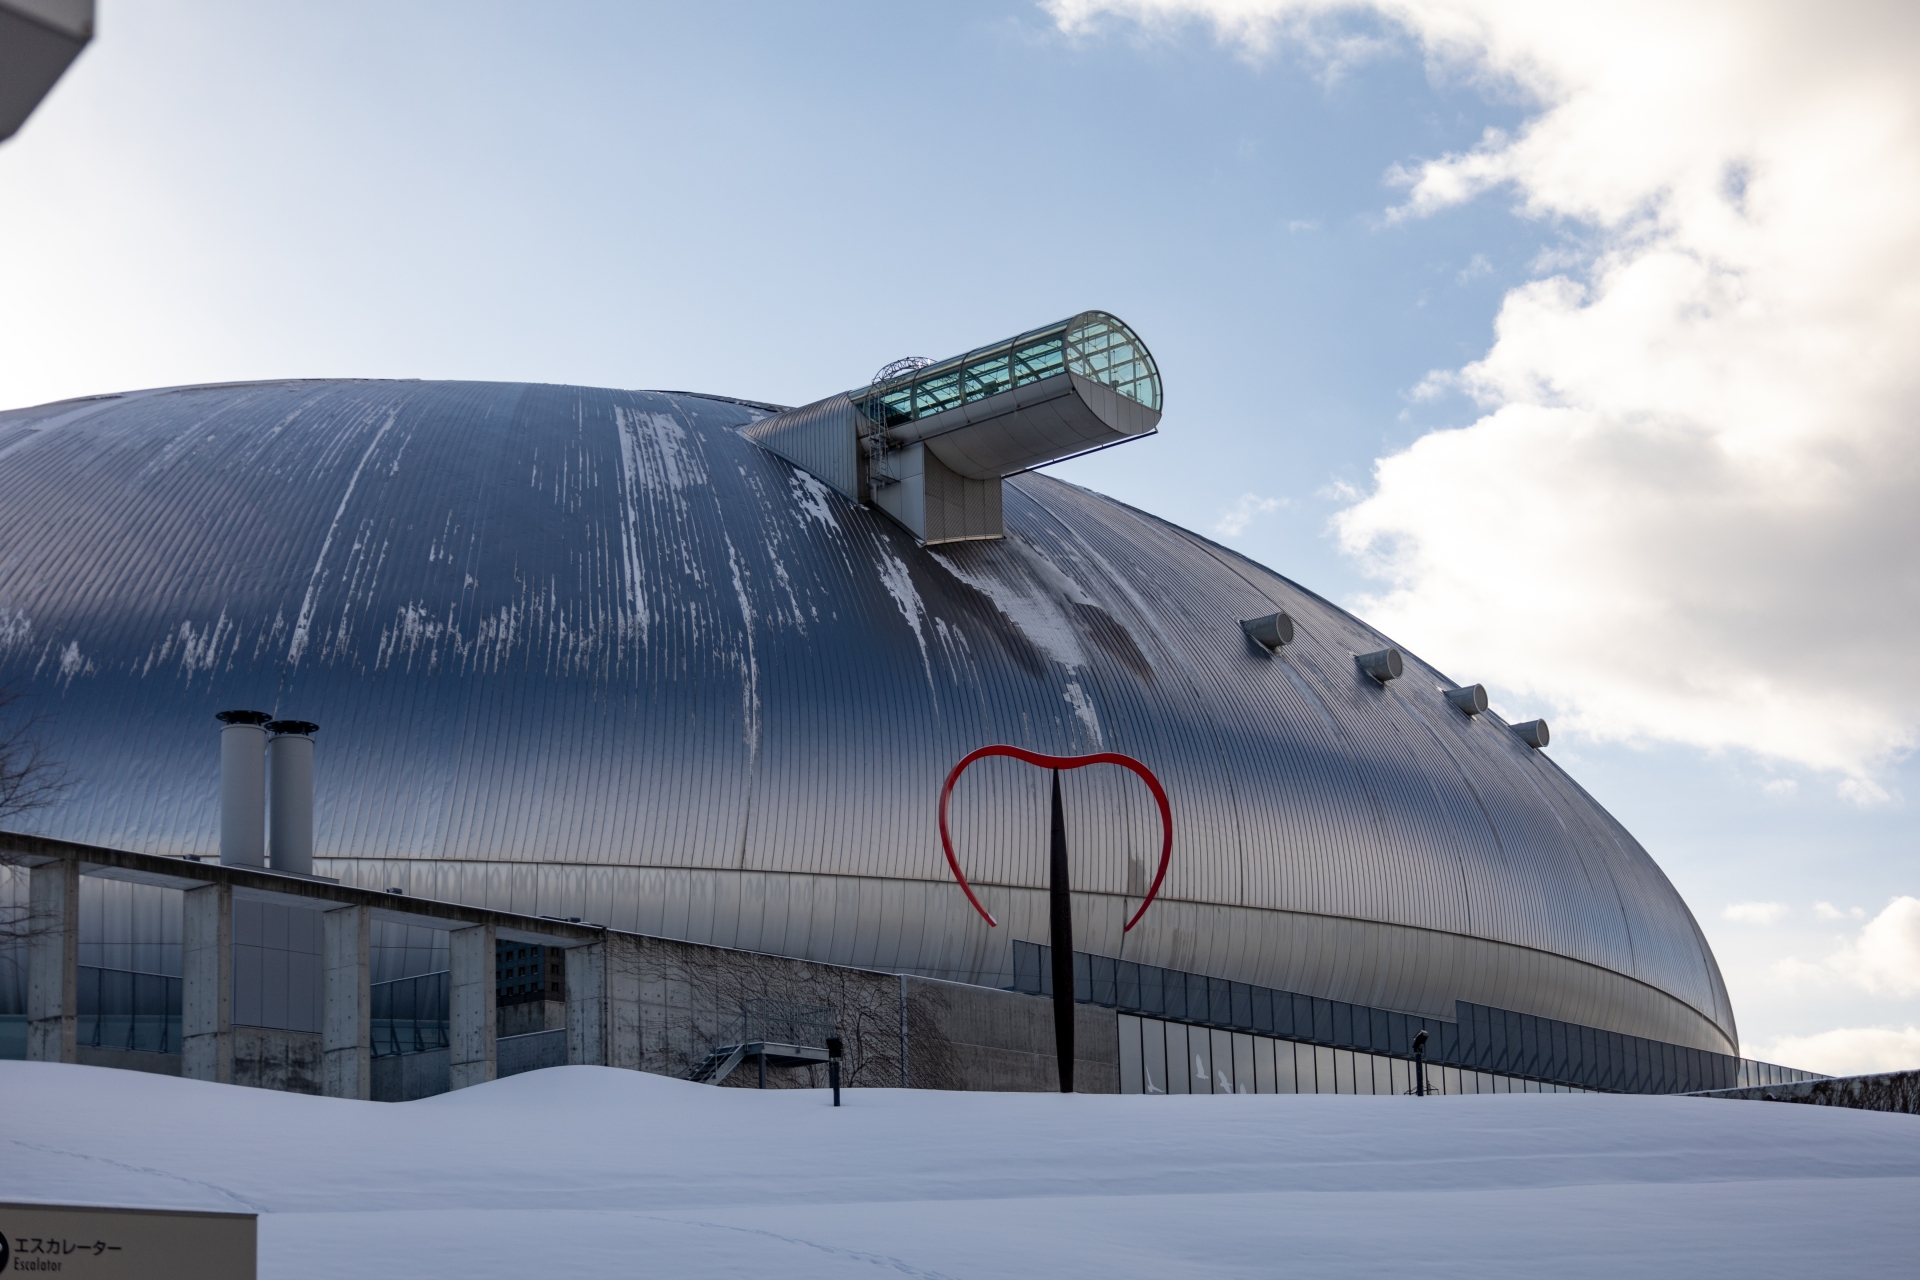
[[593, 653]]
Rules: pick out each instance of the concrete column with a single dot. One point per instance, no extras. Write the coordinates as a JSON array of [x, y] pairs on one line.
[[206, 995], [473, 1021], [587, 1006], [603, 1004], [346, 1031], [53, 961], [623, 1002]]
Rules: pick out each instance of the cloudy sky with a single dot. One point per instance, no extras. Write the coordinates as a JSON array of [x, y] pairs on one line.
[[1570, 344]]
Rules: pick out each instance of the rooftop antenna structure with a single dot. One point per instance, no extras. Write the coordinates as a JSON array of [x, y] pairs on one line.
[[905, 364]]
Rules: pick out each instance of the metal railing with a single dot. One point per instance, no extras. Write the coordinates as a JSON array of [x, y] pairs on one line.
[[410, 1015], [781, 1022], [125, 1009]]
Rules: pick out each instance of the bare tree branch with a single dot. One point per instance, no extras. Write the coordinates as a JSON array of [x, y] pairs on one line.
[[30, 778]]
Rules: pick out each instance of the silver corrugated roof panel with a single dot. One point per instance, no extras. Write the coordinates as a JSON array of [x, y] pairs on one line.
[[592, 653]]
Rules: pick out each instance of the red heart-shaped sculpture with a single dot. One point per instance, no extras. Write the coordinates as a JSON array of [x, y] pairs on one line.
[[1062, 762]]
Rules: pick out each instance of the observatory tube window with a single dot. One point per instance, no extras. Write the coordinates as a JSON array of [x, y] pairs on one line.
[[1093, 344], [1099, 347]]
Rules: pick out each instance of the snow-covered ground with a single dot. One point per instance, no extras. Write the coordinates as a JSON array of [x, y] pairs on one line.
[[583, 1171]]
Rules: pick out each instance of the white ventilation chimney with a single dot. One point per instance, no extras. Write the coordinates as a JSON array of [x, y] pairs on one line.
[[1382, 666], [1271, 631], [1533, 733], [290, 783], [1472, 699], [243, 788]]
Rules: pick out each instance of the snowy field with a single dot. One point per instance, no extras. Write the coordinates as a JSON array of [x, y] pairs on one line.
[[582, 1171]]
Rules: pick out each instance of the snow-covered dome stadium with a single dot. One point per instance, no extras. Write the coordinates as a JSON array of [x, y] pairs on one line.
[[597, 653]]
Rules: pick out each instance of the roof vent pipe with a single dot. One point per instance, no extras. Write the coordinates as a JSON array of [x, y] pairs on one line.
[[1271, 631], [1382, 666], [290, 783], [243, 788], [1533, 733], [1472, 699]]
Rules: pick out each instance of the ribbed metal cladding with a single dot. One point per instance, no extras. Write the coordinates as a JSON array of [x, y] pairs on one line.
[[592, 653]]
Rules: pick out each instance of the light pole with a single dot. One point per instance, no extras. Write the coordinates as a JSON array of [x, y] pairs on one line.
[[834, 1049], [1420, 1063]]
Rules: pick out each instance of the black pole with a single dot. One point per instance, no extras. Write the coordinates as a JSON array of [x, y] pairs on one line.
[[833, 1066], [762, 1057], [1060, 922], [1420, 1064]]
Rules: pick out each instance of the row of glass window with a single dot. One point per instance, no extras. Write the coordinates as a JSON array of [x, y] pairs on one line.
[[1173, 1057], [1484, 1039], [1092, 344]]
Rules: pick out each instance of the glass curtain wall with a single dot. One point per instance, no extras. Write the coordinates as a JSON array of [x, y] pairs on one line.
[[1171, 1057], [1092, 344], [1497, 1042], [129, 988]]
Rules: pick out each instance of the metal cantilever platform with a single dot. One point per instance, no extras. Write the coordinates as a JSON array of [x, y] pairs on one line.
[[718, 1065], [775, 1033]]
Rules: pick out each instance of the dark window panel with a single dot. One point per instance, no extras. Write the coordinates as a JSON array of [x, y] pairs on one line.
[[1263, 1001], [1174, 984], [1199, 1001], [1303, 1017], [1219, 1002], [1153, 989]]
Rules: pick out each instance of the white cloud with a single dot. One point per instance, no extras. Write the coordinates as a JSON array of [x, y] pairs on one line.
[[1863, 791], [1754, 912], [1695, 453], [1883, 958], [1477, 266], [1234, 520], [1845, 1051], [1782, 787]]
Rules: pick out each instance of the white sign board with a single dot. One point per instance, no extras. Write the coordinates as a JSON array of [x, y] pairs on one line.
[[125, 1244]]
